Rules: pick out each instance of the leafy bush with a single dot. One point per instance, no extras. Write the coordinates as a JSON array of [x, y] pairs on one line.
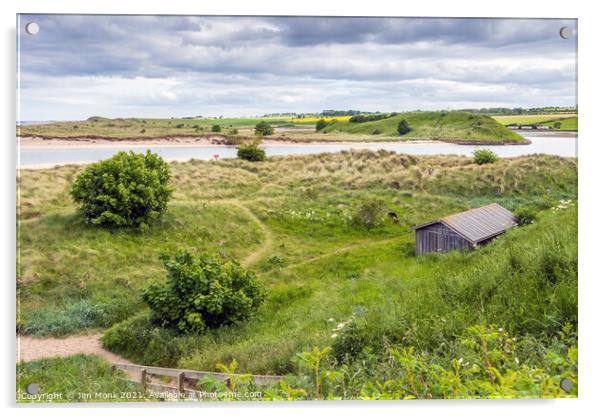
[[202, 292], [128, 189], [276, 260], [376, 131], [263, 128], [369, 214], [486, 363], [321, 124], [525, 215], [483, 156], [350, 339], [403, 127], [251, 152], [216, 128]]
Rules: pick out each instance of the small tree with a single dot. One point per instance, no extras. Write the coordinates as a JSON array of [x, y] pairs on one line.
[[321, 124], [525, 215], [128, 189], [251, 152], [403, 127], [216, 128], [263, 128], [369, 214], [483, 156], [202, 292]]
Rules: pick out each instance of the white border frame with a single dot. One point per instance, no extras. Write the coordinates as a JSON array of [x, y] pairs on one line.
[[590, 152]]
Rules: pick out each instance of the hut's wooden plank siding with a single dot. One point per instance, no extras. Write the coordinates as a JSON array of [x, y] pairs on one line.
[[438, 237], [464, 230]]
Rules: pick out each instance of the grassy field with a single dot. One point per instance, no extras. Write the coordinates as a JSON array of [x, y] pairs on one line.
[[291, 220], [451, 126], [122, 128], [568, 121], [77, 378]]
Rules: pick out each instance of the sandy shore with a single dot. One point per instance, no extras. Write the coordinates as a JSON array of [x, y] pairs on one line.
[[86, 143]]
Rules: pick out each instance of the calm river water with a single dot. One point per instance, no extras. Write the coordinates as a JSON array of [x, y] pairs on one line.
[[540, 143]]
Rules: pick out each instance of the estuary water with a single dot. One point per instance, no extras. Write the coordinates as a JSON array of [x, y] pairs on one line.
[[550, 143]]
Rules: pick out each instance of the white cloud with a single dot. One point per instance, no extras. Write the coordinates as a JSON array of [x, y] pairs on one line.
[[173, 66]]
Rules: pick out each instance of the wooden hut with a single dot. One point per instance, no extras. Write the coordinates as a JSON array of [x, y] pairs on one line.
[[463, 231]]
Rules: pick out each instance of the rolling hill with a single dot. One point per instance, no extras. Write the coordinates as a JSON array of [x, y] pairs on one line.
[[457, 127]]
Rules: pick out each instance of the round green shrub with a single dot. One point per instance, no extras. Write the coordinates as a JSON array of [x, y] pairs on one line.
[[525, 215], [251, 152], [263, 128], [369, 214], [202, 292], [216, 128], [321, 124], [129, 189], [483, 156], [403, 127]]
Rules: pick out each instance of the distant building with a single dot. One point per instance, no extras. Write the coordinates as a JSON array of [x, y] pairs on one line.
[[463, 231]]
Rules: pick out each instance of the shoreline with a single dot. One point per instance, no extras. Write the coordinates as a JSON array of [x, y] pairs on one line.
[[36, 143]]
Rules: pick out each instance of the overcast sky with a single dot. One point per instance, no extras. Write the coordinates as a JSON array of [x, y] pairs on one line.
[[163, 66]]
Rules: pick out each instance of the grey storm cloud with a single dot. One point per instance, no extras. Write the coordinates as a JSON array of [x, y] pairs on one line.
[[82, 64]]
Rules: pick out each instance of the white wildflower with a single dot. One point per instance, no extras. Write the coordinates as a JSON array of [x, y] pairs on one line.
[[333, 336], [330, 319], [460, 360], [341, 325]]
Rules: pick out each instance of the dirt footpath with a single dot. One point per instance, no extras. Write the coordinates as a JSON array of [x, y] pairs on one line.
[[29, 348]]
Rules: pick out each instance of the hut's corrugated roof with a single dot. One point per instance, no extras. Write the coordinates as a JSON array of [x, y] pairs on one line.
[[478, 224]]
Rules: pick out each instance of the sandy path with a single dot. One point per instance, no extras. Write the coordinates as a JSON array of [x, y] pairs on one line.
[[29, 348], [266, 246]]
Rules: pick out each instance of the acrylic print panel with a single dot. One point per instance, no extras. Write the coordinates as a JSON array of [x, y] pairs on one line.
[[309, 208]]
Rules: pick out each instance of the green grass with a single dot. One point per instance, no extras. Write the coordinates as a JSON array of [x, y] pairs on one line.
[[140, 128], [568, 121], [447, 126], [450, 126], [76, 378], [74, 277]]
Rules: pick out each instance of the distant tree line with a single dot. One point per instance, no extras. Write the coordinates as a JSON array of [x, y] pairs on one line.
[[519, 110], [337, 113], [362, 118]]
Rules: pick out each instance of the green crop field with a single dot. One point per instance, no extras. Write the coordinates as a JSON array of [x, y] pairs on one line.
[[292, 220], [568, 120], [568, 123], [449, 126]]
